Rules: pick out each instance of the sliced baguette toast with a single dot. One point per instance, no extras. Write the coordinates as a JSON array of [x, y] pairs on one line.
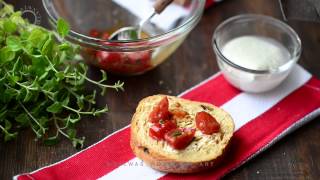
[[205, 151]]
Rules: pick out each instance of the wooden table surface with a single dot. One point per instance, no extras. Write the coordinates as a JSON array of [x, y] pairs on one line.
[[294, 157]]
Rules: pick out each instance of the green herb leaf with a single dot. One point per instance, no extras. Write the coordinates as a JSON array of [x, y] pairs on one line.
[[37, 38], [9, 136], [78, 143], [48, 47], [42, 81], [65, 47], [13, 42], [9, 26], [72, 133], [16, 17], [8, 95], [51, 141], [134, 35], [22, 119], [176, 133], [62, 27], [55, 108], [8, 125], [6, 55]]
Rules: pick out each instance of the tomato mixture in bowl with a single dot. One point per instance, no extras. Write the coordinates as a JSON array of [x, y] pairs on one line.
[[119, 62], [165, 32]]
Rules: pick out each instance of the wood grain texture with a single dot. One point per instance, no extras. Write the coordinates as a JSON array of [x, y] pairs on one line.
[[294, 157]]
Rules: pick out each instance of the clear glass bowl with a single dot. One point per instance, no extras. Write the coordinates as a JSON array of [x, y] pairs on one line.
[[252, 80], [164, 34]]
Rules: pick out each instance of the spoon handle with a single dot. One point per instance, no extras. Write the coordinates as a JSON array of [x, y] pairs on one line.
[[160, 5]]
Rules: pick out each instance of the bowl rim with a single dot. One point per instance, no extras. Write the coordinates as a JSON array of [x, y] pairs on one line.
[[121, 45], [264, 18]]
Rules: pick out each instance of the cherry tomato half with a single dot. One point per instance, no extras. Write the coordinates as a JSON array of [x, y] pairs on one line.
[[160, 112], [206, 123], [179, 138], [158, 130]]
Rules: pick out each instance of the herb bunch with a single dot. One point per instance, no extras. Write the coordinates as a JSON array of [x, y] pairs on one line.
[[42, 80]]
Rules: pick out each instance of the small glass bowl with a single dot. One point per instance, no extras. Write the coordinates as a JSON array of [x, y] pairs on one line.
[[124, 57], [251, 80]]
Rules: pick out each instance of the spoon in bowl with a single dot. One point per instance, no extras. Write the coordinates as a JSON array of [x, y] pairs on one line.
[[133, 33]]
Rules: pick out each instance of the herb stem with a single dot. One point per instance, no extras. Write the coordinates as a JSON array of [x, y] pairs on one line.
[[77, 111], [47, 92], [59, 129], [27, 87], [42, 80], [51, 65], [30, 115], [116, 86], [3, 129]]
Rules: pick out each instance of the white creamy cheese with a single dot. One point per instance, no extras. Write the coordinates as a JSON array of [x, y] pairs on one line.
[[256, 52]]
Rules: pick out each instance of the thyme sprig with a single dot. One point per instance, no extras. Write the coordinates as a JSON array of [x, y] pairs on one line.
[[42, 81]]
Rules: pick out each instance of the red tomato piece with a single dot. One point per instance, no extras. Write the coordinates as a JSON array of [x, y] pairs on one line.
[[120, 62], [126, 62], [179, 138], [140, 56], [160, 112], [105, 58], [105, 36], [206, 123], [158, 130], [94, 33]]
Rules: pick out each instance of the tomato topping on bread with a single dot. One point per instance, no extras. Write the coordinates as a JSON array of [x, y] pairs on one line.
[[160, 112], [179, 138], [206, 123], [159, 129], [177, 135]]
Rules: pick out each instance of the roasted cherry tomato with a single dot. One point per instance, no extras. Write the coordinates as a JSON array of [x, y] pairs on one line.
[[160, 112], [206, 123], [158, 130], [179, 138]]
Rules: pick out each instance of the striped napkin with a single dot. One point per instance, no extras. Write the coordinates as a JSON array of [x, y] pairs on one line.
[[260, 119]]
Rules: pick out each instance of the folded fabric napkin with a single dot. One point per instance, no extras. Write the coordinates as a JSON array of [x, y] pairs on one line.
[[260, 119]]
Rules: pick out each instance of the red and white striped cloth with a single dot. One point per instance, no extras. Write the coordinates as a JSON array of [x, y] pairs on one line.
[[261, 120]]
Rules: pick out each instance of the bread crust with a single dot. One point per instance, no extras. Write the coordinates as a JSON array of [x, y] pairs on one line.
[[161, 162]]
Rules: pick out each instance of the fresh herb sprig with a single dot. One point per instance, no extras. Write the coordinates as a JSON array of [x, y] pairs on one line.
[[42, 81]]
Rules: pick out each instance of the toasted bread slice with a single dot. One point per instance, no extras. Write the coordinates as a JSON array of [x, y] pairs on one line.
[[204, 152]]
